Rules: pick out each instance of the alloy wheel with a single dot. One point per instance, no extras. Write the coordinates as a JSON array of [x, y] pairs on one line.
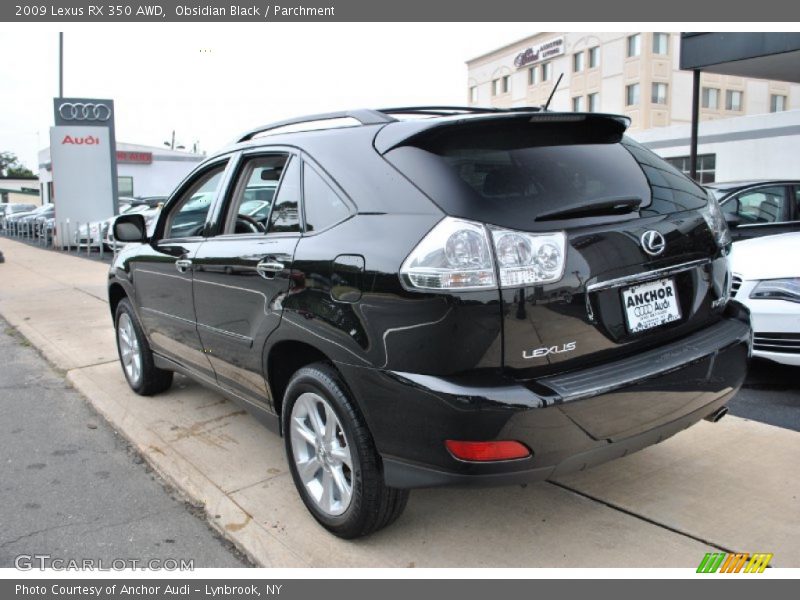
[[129, 349], [321, 453]]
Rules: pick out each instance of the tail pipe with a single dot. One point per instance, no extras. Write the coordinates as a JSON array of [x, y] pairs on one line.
[[717, 414]]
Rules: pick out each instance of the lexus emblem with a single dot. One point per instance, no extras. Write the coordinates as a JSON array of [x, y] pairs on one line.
[[78, 111], [653, 242]]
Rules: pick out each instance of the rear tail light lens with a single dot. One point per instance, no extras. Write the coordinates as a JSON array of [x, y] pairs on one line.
[[460, 254], [487, 451], [715, 219], [454, 255], [525, 258]]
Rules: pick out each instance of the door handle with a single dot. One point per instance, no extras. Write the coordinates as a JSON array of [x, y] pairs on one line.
[[183, 265], [268, 269]]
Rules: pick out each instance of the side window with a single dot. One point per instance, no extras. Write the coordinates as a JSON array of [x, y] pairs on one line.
[[323, 206], [188, 217], [285, 214], [764, 205], [253, 194]]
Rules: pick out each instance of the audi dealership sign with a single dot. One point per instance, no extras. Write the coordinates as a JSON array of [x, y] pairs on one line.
[[84, 159], [84, 111]]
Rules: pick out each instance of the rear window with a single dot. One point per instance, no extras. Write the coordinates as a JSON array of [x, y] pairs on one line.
[[528, 174], [552, 177]]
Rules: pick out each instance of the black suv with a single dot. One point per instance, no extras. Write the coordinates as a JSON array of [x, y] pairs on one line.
[[437, 296]]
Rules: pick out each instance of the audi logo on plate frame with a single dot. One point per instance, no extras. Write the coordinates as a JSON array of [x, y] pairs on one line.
[[79, 111], [653, 242]]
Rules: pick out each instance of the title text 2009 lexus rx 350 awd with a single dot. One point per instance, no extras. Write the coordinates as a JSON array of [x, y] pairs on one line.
[[437, 296]]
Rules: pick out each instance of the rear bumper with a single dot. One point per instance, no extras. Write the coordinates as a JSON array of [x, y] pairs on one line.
[[569, 422]]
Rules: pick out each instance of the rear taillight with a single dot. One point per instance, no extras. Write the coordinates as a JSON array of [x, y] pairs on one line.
[[526, 258], [715, 219], [487, 451], [465, 255]]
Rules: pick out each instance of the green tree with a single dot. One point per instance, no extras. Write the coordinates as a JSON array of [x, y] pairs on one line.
[[11, 167]]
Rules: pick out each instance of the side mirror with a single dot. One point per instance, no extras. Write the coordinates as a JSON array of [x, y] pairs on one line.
[[130, 228]]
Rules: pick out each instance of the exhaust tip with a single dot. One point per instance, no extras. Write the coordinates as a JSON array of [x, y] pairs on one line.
[[717, 414]]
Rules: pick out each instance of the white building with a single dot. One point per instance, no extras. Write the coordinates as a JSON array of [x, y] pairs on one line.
[[749, 128], [141, 170], [750, 147], [636, 74]]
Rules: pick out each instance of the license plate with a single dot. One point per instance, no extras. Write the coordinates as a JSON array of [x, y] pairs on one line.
[[650, 305]]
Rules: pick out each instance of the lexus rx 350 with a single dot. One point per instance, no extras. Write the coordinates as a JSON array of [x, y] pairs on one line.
[[437, 296]]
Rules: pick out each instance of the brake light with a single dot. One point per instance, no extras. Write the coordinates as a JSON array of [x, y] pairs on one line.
[[487, 451], [465, 255]]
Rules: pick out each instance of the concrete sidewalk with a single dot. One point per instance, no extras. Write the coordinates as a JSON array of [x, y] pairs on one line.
[[729, 486]]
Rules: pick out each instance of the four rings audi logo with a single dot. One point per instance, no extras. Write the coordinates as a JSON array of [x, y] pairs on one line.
[[653, 242], [78, 111]]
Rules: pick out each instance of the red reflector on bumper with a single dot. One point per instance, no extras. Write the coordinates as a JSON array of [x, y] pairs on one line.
[[487, 451]]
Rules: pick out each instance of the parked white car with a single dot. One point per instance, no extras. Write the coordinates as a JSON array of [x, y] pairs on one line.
[[766, 279]]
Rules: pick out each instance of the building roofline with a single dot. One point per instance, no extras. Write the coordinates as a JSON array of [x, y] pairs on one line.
[[506, 47]]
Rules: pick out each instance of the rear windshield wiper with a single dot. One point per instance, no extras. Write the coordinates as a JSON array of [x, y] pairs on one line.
[[603, 207]]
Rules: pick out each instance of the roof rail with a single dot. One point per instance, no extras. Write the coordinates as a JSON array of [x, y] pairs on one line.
[[368, 116], [365, 116]]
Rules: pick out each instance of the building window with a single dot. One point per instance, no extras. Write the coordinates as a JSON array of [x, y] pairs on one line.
[[547, 71], [577, 104], [473, 94], [577, 62], [733, 100], [710, 98], [632, 94], [660, 43], [125, 186], [506, 81], [594, 57], [777, 103], [659, 93], [706, 166], [495, 87], [532, 73], [593, 102], [634, 45]]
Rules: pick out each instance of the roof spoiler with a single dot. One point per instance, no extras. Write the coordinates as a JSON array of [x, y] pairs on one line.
[[504, 129]]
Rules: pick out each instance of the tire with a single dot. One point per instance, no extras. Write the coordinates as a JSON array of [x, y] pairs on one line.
[[371, 505], [135, 355]]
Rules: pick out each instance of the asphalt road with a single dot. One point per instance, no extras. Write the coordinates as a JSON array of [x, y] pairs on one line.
[[72, 488]]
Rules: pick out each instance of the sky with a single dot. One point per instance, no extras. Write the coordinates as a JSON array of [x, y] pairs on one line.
[[210, 82]]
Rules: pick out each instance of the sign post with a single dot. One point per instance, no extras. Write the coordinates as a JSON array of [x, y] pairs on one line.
[[84, 158]]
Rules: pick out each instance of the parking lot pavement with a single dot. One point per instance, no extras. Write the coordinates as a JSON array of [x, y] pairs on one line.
[[771, 395], [704, 490], [73, 489]]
